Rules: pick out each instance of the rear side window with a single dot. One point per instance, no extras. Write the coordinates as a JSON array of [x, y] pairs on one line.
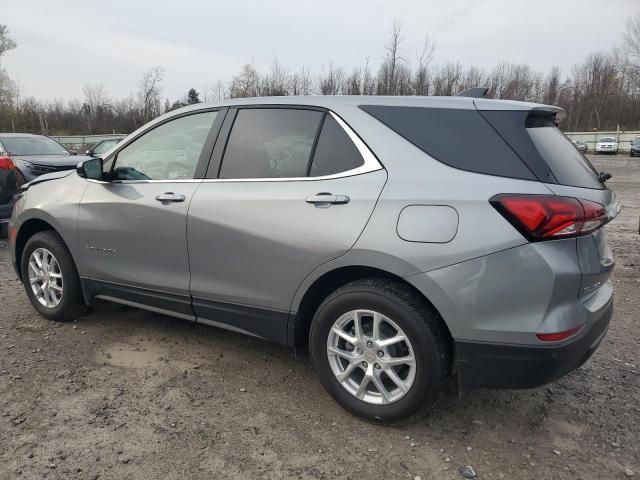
[[335, 152], [459, 138], [568, 164], [270, 143]]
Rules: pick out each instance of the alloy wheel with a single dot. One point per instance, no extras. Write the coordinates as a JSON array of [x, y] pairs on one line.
[[45, 277], [371, 357]]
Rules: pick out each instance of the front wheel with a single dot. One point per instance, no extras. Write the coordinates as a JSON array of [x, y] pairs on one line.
[[50, 277], [380, 350]]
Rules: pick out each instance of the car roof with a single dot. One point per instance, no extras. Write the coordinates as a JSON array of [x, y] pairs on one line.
[[14, 135], [329, 101]]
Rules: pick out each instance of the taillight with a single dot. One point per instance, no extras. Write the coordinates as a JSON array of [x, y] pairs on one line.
[[6, 163], [547, 217]]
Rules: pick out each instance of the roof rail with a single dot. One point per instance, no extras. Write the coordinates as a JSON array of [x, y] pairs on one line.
[[476, 92]]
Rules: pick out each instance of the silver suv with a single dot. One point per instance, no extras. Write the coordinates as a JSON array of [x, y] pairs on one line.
[[412, 244]]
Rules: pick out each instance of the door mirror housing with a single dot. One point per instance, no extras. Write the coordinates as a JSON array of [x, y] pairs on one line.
[[90, 169]]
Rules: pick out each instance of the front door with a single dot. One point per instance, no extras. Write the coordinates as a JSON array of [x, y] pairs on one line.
[[293, 191], [132, 228]]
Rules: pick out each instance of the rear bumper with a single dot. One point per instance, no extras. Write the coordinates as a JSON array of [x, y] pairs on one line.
[[487, 365]]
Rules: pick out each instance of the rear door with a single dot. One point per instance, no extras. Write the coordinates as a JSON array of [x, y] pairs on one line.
[[133, 227], [291, 189]]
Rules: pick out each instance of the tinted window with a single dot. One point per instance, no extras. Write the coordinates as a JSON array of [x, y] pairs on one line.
[[335, 152], [168, 152], [459, 138], [270, 143], [569, 166], [33, 146]]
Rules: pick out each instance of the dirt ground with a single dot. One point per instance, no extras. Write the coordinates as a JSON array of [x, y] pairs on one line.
[[127, 394]]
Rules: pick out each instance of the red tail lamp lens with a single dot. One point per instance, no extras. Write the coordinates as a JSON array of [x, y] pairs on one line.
[[6, 163], [546, 217]]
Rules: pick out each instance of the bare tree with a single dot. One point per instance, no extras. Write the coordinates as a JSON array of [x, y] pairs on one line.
[[149, 90], [394, 66], [95, 105], [421, 75], [6, 42], [276, 82], [331, 81], [246, 84], [631, 49]]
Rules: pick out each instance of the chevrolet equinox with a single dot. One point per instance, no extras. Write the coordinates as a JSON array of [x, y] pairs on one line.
[[412, 244]]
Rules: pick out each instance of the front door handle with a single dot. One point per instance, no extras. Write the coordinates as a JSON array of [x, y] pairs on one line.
[[170, 197], [325, 199]]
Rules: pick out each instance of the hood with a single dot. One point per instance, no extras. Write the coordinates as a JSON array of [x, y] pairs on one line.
[[45, 178], [52, 160]]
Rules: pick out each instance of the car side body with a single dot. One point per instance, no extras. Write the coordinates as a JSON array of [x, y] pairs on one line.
[[259, 255]]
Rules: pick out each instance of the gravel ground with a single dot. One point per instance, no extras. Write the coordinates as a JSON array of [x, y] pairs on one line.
[[123, 393]]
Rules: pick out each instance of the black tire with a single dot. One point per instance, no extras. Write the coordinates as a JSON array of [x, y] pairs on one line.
[[71, 304], [4, 230], [421, 324]]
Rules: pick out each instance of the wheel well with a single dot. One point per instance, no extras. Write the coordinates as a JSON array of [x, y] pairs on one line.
[[333, 280], [27, 230]]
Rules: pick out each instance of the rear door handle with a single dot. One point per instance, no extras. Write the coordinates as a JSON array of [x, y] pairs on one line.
[[326, 199], [170, 197]]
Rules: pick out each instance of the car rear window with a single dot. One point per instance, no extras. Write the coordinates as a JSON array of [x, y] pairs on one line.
[[568, 164], [459, 138]]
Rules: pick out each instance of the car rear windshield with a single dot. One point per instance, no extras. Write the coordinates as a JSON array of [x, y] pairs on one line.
[[459, 138], [20, 146], [568, 164]]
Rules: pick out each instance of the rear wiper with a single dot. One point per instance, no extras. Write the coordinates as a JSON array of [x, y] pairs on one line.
[[604, 176]]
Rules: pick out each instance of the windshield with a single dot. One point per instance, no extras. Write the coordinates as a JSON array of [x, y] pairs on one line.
[[33, 146], [607, 139], [636, 141], [104, 146]]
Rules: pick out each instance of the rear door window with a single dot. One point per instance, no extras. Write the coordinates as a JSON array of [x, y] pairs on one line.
[[270, 143], [335, 152], [568, 164]]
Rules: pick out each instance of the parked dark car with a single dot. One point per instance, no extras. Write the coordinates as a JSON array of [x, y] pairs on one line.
[[34, 155], [635, 147], [102, 147], [9, 182], [582, 146]]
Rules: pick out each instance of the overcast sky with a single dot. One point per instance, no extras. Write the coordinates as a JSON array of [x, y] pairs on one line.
[[63, 45]]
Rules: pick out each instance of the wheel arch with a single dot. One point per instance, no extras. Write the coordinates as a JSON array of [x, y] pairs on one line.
[[302, 315], [28, 229]]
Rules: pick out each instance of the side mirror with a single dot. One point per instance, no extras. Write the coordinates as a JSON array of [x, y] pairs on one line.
[[91, 169]]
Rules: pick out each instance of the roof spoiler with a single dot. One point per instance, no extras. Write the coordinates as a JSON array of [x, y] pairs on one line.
[[475, 92]]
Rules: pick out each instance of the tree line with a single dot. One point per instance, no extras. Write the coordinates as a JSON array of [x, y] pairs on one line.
[[600, 93]]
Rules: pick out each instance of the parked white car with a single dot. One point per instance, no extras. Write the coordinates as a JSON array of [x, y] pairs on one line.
[[607, 145]]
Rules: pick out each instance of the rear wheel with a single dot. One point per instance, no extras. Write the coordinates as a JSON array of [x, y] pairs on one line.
[[380, 350], [4, 230], [50, 278]]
